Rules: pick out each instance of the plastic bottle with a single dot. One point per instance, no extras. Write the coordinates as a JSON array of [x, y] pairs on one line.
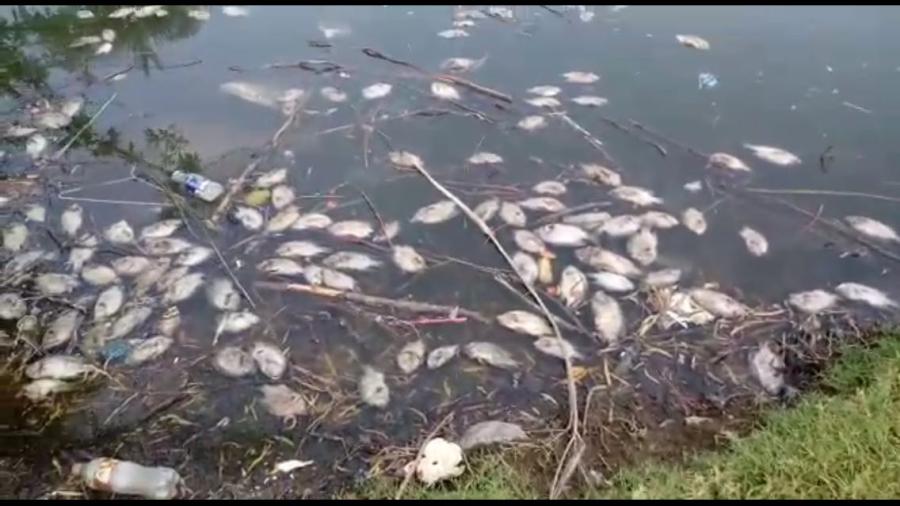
[[123, 477], [198, 186]]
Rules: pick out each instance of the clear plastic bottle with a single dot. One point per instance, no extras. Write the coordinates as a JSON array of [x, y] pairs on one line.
[[123, 477], [198, 186]]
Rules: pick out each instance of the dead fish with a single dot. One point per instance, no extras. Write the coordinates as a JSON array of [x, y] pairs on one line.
[[313, 274], [621, 226], [662, 278], [35, 145], [62, 329], [169, 321], [234, 322], [109, 302], [545, 91], [59, 367], [251, 92], [442, 355], [375, 91], [547, 204], [17, 131], [303, 249], [405, 159], [195, 255], [25, 261], [693, 41], [351, 229], [813, 301], [590, 101], [388, 232], [14, 237], [163, 228], [282, 195], [166, 281], [270, 360], [234, 362], [459, 64], [71, 219], [524, 322], [444, 91], [198, 14], [52, 120], [55, 284], [86, 40], [718, 303], [491, 354], [280, 267], [862, 293], [658, 219], [338, 280], [556, 347], [407, 259], [726, 161], [485, 158], [438, 212], [606, 260], [693, 186], [332, 32], [122, 12], [548, 102], [774, 155], [525, 266], [130, 265], [411, 356], [768, 368], [164, 246], [350, 260], [636, 195], [131, 319], [72, 106], [283, 219], [250, 218], [487, 209], [612, 282], [183, 288], [601, 174], [528, 241], [545, 269], [372, 388], [271, 178], [148, 349], [756, 243], [608, 318], [587, 221], [40, 389], [561, 234], [222, 295], [554, 188], [694, 221], [872, 228], [642, 247], [512, 214], [35, 212], [532, 123], [453, 33], [333, 94], [282, 402], [578, 77], [491, 432], [311, 221], [12, 307], [119, 232], [573, 285], [151, 275]]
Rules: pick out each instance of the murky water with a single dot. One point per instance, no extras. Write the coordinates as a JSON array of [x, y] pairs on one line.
[[819, 82]]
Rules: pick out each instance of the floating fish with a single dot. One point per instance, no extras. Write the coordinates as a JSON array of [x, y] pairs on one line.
[[14, 237], [183, 288], [407, 259], [52, 120], [280, 267], [658, 219], [71, 219], [774, 155], [768, 369], [333, 94], [726, 161], [148, 349], [270, 360], [130, 265], [282, 402], [442, 355], [372, 388], [531, 123], [151, 275], [662, 278], [545, 269], [166, 281], [525, 266], [169, 321], [529, 242], [338, 280], [525, 323], [12, 307], [491, 354], [251, 92], [548, 102], [612, 282], [40, 389], [438, 212], [377, 90], [195, 255], [55, 284], [163, 228], [35, 145], [862, 293], [222, 295], [459, 64], [165, 246], [444, 91], [636, 195], [573, 286], [234, 11], [813, 301], [351, 229], [411, 356], [235, 322], [693, 41], [312, 221], [556, 347], [601, 174], [313, 274], [756, 243], [104, 48], [388, 232], [332, 32], [718, 303], [554, 188], [608, 318], [454, 33], [547, 204], [72, 106], [642, 246], [59, 367], [405, 159], [590, 101], [485, 158], [545, 91], [132, 318], [16, 131], [487, 209], [25, 261], [351, 260], [587, 221], [283, 219], [606, 260], [621, 226], [234, 362], [489, 433], [694, 186], [108, 34], [872, 228], [512, 214], [561, 234], [694, 221], [282, 195], [250, 218], [84, 14], [109, 302], [303, 249], [198, 14], [62, 329], [578, 77]]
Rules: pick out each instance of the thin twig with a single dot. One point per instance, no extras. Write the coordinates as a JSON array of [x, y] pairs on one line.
[[228, 270], [87, 125], [835, 193], [232, 191], [378, 217]]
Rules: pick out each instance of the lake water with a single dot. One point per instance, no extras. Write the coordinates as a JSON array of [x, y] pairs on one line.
[[819, 82]]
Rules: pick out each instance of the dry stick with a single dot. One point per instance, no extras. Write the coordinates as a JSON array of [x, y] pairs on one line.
[[573, 393], [775, 191], [419, 456], [378, 217], [661, 150], [668, 140], [593, 141], [562, 323], [584, 207], [232, 191], [415, 307], [87, 125]]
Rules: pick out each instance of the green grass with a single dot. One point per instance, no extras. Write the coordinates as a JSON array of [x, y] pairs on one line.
[[840, 445]]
